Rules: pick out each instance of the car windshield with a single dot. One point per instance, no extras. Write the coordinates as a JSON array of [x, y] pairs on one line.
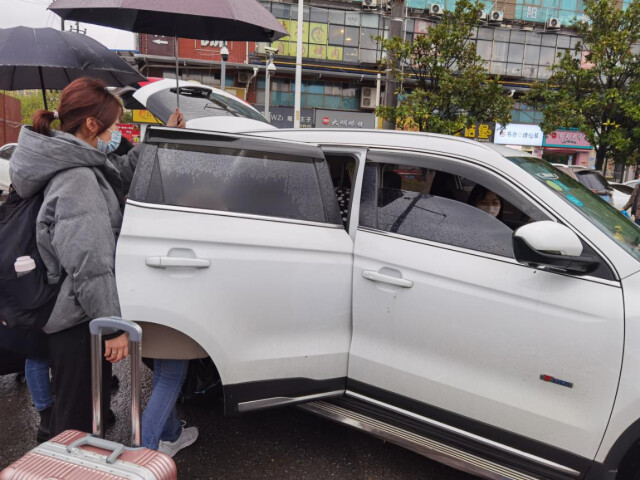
[[198, 102], [609, 220]]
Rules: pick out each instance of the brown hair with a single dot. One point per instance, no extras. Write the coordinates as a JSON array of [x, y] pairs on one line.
[[83, 98]]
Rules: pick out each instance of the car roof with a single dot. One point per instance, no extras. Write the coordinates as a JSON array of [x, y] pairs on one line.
[[390, 139]]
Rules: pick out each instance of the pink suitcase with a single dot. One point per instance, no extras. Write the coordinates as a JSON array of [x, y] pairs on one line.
[[75, 455]]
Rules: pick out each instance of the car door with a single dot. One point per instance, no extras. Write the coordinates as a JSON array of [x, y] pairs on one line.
[[450, 330], [238, 243]]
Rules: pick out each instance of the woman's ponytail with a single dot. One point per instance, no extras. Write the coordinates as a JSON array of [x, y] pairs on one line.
[[42, 120]]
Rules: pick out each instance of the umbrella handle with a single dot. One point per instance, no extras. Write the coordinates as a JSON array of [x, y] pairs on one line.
[[44, 92]]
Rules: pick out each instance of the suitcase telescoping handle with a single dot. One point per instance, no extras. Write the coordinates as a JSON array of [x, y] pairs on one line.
[[135, 351]]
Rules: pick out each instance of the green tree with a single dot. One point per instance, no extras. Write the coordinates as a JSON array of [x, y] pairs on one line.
[[450, 87], [32, 101], [596, 86]]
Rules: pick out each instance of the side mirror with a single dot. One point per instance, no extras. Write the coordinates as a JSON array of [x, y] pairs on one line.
[[552, 245]]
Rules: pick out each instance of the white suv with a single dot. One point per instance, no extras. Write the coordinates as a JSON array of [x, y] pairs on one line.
[[345, 270]]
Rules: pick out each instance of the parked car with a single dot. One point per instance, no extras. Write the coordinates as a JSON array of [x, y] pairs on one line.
[[343, 270], [203, 107], [591, 179], [5, 154]]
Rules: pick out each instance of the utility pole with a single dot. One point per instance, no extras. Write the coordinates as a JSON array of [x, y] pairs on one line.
[[297, 94], [391, 85]]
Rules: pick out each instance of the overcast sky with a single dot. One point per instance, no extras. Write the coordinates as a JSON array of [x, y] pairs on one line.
[[34, 13]]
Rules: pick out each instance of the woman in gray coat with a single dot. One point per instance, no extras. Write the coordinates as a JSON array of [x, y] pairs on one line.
[[77, 228]]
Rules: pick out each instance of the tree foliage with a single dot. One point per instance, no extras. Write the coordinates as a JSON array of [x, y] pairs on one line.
[[596, 86], [449, 85], [32, 101]]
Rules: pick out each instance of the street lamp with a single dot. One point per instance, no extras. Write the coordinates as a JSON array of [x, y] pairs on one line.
[[224, 54], [271, 69]]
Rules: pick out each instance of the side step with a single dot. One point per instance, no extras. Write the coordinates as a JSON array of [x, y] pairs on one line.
[[432, 449]]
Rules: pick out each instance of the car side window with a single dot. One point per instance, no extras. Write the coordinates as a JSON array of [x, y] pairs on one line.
[[441, 205], [240, 181]]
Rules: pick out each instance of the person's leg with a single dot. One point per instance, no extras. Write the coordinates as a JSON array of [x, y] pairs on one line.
[[39, 383], [159, 421], [37, 375], [70, 352]]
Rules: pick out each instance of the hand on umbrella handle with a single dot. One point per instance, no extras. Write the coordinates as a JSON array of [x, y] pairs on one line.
[[176, 120]]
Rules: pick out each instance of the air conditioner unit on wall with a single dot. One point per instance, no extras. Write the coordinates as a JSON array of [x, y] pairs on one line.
[[244, 77], [368, 98], [482, 16], [260, 47], [554, 23], [435, 9], [369, 4], [496, 16]]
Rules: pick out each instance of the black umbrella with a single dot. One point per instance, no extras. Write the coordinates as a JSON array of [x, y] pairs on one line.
[[45, 58], [244, 20]]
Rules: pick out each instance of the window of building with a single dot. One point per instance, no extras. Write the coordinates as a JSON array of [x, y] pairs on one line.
[[313, 94]]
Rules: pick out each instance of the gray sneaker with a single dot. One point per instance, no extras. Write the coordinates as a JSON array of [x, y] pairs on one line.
[[187, 437]]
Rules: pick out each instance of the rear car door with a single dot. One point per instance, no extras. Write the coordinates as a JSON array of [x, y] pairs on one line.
[[518, 363], [238, 243]]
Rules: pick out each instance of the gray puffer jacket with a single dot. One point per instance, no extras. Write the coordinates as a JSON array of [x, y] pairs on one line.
[[79, 221]]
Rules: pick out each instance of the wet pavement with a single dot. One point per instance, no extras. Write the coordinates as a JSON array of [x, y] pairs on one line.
[[277, 444]]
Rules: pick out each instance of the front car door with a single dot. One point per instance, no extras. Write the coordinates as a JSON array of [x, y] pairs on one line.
[[517, 363], [238, 243]]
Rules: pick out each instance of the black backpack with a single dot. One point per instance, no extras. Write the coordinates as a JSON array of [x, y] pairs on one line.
[[26, 301]]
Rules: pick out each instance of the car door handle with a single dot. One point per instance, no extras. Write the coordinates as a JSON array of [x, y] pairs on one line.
[[381, 278], [167, 262]]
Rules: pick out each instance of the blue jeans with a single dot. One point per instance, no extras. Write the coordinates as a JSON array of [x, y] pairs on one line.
[[160, 419], [36, 371]]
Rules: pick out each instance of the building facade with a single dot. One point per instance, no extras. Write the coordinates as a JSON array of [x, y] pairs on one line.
[[518, 39]]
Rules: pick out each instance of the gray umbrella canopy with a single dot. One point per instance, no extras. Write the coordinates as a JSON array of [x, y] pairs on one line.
[[39, 58], [243, 20]]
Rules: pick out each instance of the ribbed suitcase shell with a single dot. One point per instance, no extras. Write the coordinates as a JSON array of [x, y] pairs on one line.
[[50, 461]]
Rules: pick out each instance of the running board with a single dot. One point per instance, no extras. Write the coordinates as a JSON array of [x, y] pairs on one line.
[[432, 449]]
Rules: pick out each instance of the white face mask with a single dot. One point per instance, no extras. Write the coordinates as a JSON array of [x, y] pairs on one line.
[[492, 210]]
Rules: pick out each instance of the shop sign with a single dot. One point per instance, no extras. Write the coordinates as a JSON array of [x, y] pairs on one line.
[[343, 119], [480, 132], [282, 117], [144, 116], [130, 131], [567, 139], [518, 134]]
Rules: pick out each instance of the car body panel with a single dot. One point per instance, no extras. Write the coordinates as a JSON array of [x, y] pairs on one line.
[[266, 277], [627, 407]]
